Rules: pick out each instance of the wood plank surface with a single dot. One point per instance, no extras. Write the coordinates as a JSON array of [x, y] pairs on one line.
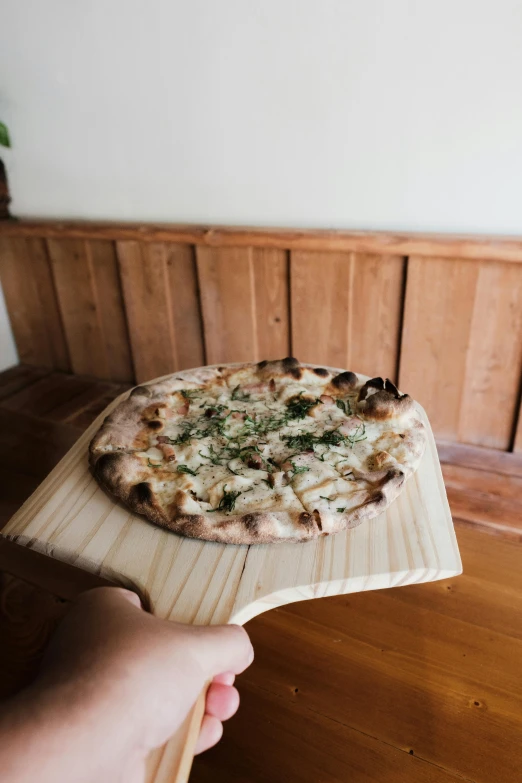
[[34, 403], [517, 445], [228, 302], [31, 301], [271, 302], [148, 306], [113, 320], [406, 668], [328, 240], [494, 359], [79, 307], [186, 311], [346, 310], [161, 299], [461, 351], [491, 460]]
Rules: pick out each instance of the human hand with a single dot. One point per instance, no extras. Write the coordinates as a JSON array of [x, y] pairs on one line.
[[123, 681]]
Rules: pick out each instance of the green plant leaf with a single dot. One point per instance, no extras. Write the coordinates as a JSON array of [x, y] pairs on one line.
[[4, 136]]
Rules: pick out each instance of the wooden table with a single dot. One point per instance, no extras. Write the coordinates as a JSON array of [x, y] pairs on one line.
[[417, 685]]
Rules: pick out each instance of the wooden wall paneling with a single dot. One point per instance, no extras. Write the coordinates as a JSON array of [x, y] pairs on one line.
[[346, 310], [226, 282], [112, 315], [186, 311], [376, 319], [325, 240], [517, 446], [272, 302], [161, 299], [494, 360], [91, 308], [147, 302], [438, 313], [461, 347], [244, 298], [32, 304]]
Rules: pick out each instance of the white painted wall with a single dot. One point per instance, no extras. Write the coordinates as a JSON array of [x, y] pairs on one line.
[[385, 114]]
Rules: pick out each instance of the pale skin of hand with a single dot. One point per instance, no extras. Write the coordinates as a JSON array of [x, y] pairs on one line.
[[115, 683]]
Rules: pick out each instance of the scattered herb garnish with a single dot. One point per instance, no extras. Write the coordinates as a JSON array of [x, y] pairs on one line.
[[331, 438], [340, 510], [190, 394], [228, 501], [299, 468], [301, 442], [298, 407], [212, 455], [359, 434], [325, 498], [345, 406], [182, 438], [237, 394], [186, 469], [152, 464]]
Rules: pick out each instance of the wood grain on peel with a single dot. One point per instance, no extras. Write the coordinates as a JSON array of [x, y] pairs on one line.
[[346, 331]]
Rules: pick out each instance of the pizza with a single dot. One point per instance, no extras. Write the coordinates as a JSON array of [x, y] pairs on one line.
[[259, 453]]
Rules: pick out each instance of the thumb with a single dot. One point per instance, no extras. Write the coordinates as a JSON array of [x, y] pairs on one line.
[[222, 648]]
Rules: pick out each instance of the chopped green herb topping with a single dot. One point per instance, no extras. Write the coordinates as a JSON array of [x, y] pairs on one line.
[[228, 501], [359, 434], [345, 406], [153, 465], [190, 394], [237, 394], [186, 469], [299, 468], [340, 510], [298, 407]]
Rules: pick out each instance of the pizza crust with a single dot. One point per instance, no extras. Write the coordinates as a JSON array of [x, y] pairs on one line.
[[116, 455]]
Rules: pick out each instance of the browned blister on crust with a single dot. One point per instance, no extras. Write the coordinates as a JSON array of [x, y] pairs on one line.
[[118, 452]]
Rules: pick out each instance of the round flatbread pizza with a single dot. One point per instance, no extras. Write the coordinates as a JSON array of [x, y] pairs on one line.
[[260, 453]]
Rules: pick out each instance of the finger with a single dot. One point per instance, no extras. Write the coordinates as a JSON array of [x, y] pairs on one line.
[[223, 648], [109, 595], [222, 701], [210, 733], [129, 596], [227, 678]]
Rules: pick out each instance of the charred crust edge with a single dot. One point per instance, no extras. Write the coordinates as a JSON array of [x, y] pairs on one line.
[[345, 380]]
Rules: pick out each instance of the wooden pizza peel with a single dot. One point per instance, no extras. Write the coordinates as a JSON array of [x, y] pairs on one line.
[[73, 521]]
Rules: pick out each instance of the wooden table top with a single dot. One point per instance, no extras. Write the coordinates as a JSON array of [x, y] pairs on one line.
[[413, 685]]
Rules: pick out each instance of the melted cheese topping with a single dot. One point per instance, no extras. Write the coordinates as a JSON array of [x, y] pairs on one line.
[[275, 446]]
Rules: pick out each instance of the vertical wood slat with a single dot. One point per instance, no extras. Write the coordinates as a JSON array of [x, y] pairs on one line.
[[462, 347], [32, 303], [112, 315], [346, 310], [160, 291], [89, 296], [517, 446], [244, 300]]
